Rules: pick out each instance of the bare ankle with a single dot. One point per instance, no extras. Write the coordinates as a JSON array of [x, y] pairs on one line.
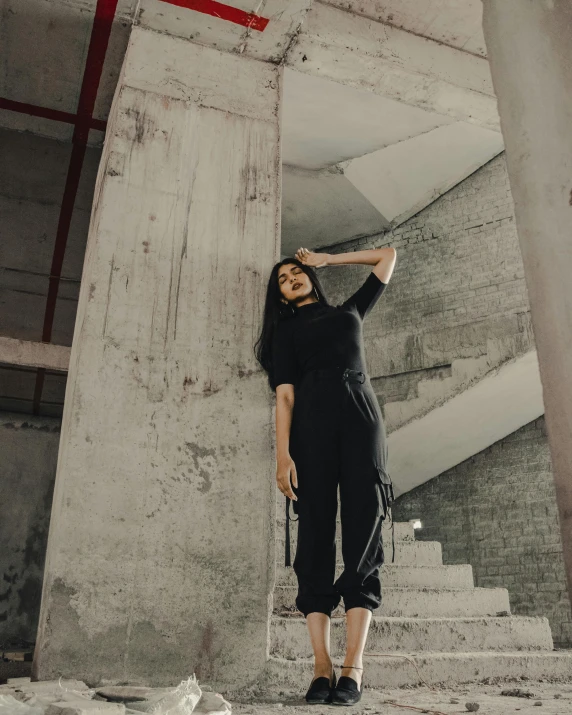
[[323, 667], [353, 670]]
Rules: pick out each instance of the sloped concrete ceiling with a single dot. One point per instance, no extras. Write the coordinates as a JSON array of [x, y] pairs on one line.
[[326, 122], [402, 179], [320, 208], [405, 158]]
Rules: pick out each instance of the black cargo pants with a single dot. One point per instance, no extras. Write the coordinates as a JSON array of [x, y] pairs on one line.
[[337, 437]]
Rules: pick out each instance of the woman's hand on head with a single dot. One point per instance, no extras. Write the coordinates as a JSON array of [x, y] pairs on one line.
[[286, 476], [309, 258]]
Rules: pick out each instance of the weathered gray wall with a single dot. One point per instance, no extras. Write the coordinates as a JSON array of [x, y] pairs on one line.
[[164, 406], [458, 281], [32, 180], [497, 511], [29, 449]]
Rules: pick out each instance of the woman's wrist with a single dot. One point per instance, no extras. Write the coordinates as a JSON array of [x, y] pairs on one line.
[[368, 257]]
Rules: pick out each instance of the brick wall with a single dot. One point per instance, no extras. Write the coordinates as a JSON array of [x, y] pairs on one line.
[[458, 280], [497, 512]]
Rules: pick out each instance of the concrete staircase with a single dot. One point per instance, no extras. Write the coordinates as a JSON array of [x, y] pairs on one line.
[[433, 626], [447, 416]]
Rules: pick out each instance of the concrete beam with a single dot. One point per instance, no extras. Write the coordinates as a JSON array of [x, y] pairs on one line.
[[355, 50], [31, 354]]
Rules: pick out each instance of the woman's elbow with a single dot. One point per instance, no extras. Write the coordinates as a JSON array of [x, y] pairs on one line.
[[285, 393]]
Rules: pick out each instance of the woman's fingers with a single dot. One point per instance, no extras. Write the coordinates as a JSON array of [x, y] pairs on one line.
[[285, 486], [294, 475], [288, 491]]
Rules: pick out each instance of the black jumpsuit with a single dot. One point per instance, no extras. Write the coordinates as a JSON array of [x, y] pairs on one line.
[[337, 437]]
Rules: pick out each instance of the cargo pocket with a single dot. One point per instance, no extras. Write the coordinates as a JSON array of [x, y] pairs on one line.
[[387, 496]]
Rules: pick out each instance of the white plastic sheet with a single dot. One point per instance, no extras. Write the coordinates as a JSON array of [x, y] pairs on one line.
[[185, 699], [10, 706]]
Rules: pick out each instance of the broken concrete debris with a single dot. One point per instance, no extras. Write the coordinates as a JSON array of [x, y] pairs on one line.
[[20, 696], [517, 693]]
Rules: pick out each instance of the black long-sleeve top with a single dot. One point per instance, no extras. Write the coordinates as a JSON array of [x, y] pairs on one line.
[[324, 336]]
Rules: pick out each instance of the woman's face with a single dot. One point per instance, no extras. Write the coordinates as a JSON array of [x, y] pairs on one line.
[[294, 283]]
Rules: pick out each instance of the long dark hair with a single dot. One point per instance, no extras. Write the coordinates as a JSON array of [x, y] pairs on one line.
[[275, 311]]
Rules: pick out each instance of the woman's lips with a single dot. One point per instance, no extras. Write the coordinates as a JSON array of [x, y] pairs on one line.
[[296, 285]]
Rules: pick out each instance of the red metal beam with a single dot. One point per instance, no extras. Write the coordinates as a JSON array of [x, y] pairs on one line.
[[46, 113], [224, 12], [99, 40]]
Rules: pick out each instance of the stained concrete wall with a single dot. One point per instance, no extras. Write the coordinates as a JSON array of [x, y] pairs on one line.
[[29, 449], [166, 433], [497, 511], [458, 282]]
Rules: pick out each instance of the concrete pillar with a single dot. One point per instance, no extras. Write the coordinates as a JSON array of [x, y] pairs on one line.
[[529, 45], [160, 558]]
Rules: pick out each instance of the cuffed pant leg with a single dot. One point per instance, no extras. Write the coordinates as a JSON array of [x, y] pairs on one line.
[[315, 560], [314, 451], [362, 450], [362, 547]]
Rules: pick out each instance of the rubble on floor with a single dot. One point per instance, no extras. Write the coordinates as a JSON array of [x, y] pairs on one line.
[[21, 696], [491, 699]]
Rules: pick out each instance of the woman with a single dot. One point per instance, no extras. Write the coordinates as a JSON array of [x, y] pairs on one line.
[[329, 433]]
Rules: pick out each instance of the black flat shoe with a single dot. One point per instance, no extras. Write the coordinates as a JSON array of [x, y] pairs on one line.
[[346, 692], [320, 690]]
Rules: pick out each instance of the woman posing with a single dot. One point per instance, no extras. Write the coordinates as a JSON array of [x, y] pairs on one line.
[[329, 434]]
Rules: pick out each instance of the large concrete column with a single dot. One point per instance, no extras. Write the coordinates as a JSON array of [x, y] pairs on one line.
[[160, 558], [529, 44]]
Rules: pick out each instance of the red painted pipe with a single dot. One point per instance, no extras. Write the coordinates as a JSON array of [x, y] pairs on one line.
[[99, 40]]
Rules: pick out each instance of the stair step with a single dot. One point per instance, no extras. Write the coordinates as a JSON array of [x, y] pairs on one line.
[[398, 671], [395, 576], [420, 602], [289, 636]]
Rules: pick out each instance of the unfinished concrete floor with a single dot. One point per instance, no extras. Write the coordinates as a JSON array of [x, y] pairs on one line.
[[554, 698]]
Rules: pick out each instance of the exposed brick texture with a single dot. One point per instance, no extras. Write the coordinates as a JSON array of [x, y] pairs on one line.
[[497, 511], [458, 280]]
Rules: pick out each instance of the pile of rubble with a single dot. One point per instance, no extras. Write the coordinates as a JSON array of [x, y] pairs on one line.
[[20, 696]]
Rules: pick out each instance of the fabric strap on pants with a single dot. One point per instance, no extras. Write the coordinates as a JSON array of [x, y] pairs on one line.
[[287, 560]]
